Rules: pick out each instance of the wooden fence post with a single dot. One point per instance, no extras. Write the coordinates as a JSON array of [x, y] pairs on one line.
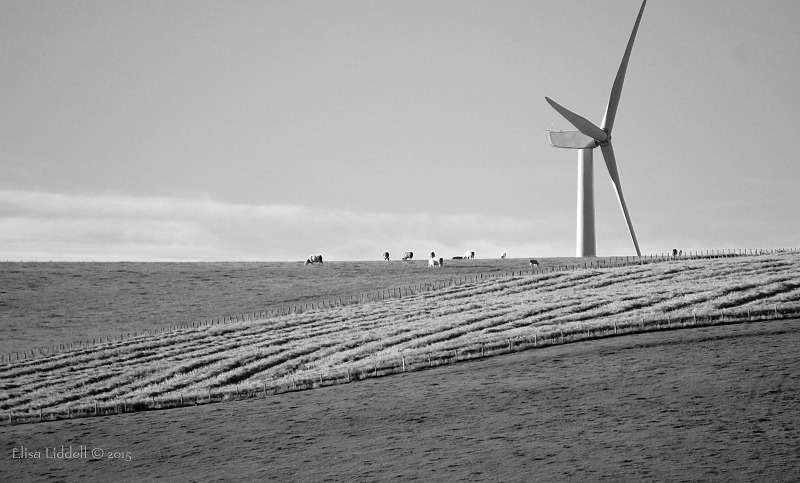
[[404, 363]]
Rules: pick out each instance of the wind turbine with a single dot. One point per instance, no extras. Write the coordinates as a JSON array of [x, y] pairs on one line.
[[585, 139]]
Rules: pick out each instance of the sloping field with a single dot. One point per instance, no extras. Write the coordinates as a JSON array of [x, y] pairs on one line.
[[340, 344], [46, 304]]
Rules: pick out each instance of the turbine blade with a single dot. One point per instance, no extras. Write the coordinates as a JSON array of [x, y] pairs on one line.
[[616, 90], [611, 164], [584, 125]]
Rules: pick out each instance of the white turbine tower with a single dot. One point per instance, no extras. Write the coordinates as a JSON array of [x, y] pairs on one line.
[[586, 138]]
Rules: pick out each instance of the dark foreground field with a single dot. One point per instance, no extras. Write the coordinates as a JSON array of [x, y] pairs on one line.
[[716, 403]]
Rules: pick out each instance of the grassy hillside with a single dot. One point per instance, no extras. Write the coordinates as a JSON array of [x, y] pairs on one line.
[[336, 344], [47, 304]]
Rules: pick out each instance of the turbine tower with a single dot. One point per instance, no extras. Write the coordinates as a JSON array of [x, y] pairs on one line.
[[585, 139]]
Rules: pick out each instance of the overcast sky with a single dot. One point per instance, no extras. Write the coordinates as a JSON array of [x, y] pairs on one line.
[[273, 130]]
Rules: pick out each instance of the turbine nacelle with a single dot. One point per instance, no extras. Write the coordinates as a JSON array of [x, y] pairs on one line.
[[570, 140]]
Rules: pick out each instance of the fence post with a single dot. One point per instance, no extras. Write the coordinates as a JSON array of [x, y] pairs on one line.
[[404, 363]]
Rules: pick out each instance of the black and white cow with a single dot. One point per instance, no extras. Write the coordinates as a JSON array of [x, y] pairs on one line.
[[314, 259], [386, 256], [534, 263], [469, 255], [503, 255], [408, 255]]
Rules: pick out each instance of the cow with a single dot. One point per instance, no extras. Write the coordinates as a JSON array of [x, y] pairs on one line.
[[433, 255], [433, 262], [408, 255], [534, 263], [314, 259], [386, 256], [674, 252], [469, 255], [457, 258], [503, 255]]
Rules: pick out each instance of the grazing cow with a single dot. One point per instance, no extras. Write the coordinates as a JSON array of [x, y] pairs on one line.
[[441, 261], [469, 255], [314, 259], [432, 262], [503, 255], [432, 255], [534, 263], [386, 256], [408, 255]]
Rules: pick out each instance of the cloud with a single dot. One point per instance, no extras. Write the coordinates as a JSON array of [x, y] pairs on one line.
[[51, 226]]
